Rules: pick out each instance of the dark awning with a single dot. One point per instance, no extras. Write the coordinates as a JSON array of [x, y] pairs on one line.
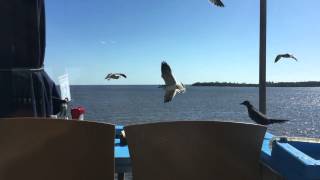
[[25, 88]]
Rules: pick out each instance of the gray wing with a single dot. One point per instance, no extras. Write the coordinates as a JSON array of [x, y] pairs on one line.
[[258, 117], [108, 76], [166, 74], [123, 75], [293, 57], [278, 58], [258, 113], [217, 3], [168, 96]]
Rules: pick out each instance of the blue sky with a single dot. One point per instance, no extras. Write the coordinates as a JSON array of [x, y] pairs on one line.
[[201, 42]]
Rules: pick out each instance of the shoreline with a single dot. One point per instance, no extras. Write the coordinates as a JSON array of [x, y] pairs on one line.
[[268, 84]]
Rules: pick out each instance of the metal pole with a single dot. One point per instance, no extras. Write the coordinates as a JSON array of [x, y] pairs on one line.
[[262, 56]]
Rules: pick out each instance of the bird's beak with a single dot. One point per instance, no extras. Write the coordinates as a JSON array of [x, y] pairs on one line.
[[241, 103]]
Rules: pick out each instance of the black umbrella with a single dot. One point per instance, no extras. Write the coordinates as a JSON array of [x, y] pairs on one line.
[[25, 88]]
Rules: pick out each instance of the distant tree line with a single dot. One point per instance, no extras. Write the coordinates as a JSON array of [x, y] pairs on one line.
[[269, 84]]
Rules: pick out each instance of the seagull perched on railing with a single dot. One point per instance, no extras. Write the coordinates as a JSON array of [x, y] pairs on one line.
[[217, 3], [115, 76], [284, 56], [171, 87], [258, 117]]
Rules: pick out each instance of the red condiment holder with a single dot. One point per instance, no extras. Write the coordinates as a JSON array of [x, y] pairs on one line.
[[78, 113]]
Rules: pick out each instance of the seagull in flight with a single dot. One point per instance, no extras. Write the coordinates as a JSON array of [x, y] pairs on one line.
[[217, 3], [258, 117], [284, 56], [171, 87], [115, 76]]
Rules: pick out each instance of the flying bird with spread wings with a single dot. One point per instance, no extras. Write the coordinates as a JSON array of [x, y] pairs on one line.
[[115, 76], [284, 56], [171, 87], [217, 3]]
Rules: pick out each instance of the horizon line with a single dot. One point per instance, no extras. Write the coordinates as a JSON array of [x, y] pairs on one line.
[[194, 83]]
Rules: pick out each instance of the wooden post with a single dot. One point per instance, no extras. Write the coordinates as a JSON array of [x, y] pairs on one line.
[[262, 56]]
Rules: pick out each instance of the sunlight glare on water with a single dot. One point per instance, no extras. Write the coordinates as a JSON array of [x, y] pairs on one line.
[[144, 104]]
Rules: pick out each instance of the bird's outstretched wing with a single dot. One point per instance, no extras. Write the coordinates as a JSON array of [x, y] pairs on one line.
[[168, 96], [108, 76], [278, 58], [217, 3], [123, 75], [166, 74], [293, 57], [285, 56]]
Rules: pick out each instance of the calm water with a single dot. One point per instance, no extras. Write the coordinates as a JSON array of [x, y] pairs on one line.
[[140, 104]]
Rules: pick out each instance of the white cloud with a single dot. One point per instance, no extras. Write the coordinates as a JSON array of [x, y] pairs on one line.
[[108, 42], [112, 42]]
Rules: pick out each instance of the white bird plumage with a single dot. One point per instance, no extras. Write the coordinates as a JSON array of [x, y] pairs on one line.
[[171, 87]]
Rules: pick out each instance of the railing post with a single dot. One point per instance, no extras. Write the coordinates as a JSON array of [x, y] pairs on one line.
[[262, 56]]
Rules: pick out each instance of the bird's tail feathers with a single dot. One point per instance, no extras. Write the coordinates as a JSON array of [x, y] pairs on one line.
[[183, 86], [278, 120]]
